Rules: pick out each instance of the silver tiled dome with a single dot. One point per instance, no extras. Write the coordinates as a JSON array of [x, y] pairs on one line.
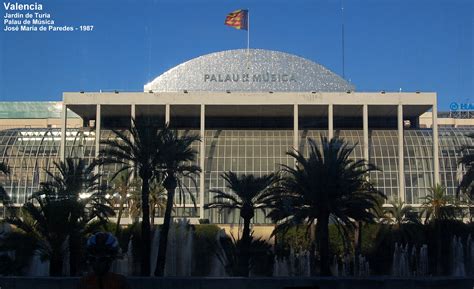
[[256, 70]]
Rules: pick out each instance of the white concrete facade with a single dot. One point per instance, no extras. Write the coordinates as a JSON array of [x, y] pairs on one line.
[[426, 120], [365, 105]]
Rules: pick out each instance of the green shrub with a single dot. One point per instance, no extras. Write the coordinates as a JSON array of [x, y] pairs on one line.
[[336, 241], [261, 258], [205, 245], [296, 238], [16, 251]]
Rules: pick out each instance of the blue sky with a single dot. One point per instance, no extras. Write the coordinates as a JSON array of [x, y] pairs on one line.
[[415, 45]]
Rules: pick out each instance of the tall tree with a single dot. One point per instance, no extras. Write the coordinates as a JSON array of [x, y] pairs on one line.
[[176, 157], [438, 208], [247, 193], [136, 149], [157, 201], [438, 205], [323, 186], [399, 213], [121, 192], [466, 185], [58, 214], [404, 223], [4, 198]]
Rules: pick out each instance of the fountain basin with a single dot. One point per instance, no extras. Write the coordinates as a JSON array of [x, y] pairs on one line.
[[380, 282]]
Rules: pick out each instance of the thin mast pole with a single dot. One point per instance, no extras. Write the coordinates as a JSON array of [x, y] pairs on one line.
[[343, 56], [248, 31], [248, 38]]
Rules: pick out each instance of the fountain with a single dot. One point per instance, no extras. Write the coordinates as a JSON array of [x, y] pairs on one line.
[[124, 264], [179, 253], [346, 265], [180, 250], [363, 268], [296, 264], [66, 259], [37, 267], [5, 229], [400, 263], [280, 267], [408, 262], [219, 260], [300, 263], [423, 265], [335, 266], [155, 240], [469, 256], [457, 263], [357, 266]]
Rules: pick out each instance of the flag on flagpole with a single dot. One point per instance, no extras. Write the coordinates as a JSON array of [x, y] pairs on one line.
[[238, 19]]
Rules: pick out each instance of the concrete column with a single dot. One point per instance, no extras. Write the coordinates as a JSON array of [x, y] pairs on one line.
[[132, 139], [202, 158], [330, 122], [132, 112], [295, 127], [167, 113], [97, 130], [62, 145], [365, 125], [401, 167], [434, 126]]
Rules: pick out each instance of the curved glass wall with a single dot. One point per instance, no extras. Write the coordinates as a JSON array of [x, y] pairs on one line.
[[30, 152]]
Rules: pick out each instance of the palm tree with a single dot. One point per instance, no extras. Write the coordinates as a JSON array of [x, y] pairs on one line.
[[4, 169], [230, 255], [122, 190], [157, 201], [57, 216], [404, 223], [78, 186], [467, 161], [136, 150], [46, 222], [466, 184], [400, 213], [17, 249], [247, 194], [176, 157], [4, 198], [438, 205], [324, 186]]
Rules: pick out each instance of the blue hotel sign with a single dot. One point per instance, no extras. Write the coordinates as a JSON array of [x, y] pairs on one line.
[[454, 106]]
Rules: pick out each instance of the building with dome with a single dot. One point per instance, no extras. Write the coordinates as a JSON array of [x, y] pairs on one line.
[[250, 107]]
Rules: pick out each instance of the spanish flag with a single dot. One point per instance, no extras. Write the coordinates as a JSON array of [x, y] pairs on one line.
[[238, 19]]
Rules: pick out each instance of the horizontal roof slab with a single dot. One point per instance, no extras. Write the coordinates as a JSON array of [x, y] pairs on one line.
[[258, 104]]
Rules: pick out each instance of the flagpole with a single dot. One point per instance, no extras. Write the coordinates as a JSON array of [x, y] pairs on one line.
[[248, 31], [342, 40], [248, 38]]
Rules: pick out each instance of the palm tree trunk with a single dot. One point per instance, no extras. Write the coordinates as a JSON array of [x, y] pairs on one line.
[[358, 245], [439, 257], [170, 186], [312, 250], [244, 258], [74, 254], [146, 235], [119, 217], [152, 216], [323, 230], [56, 265], [358, 238]]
